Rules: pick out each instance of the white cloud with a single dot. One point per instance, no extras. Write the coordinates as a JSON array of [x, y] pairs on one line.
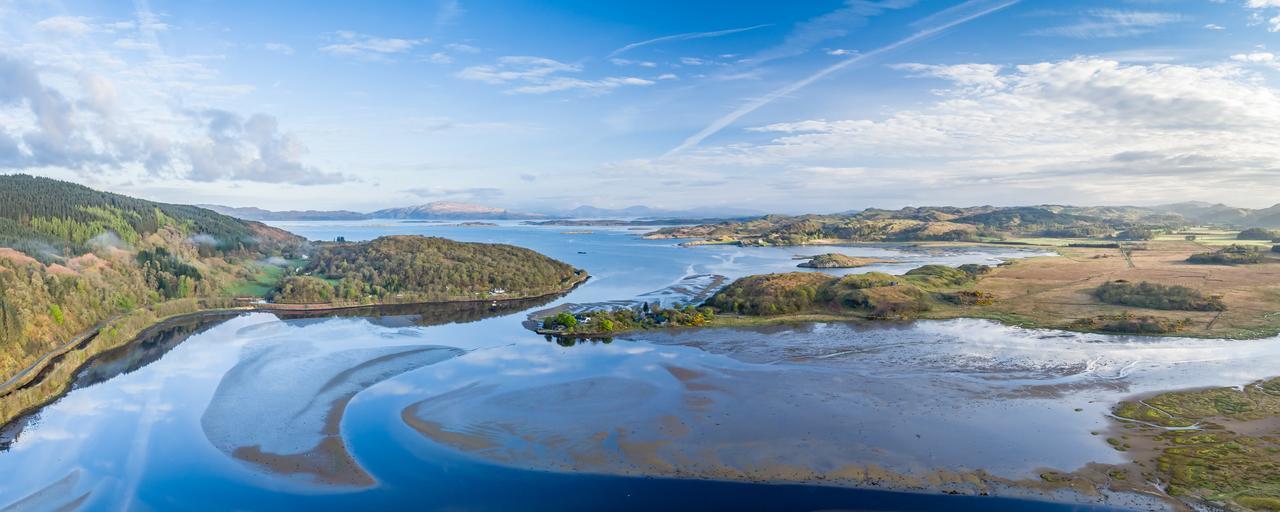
[[1273, 23], [840, 52], [280, 48], [627, 62], [1258, 58], [250, 149], [516, 68], [52, 134], [366, 47], [1109, 23], [73, 26], [974, 78], [461, 48], [1254, 57], [440, 58], [93, 128], [692, 61], [128, 43], [603, 85], [540, 75], [1084, 129], [1214, 26]]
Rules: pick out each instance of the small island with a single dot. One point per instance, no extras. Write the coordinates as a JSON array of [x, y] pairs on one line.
[[605, 323], [836, 260]]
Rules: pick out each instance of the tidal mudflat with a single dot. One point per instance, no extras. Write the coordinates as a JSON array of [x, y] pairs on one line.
[[961, 405]]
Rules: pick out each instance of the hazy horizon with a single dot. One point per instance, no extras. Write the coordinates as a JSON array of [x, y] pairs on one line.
[[816, 107], [713, 210]]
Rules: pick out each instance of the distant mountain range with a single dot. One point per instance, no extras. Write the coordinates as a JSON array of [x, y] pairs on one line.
[[452, 211], [645, 212], [1221, 214], [251, 213], [445, 210], [1190, 214], [439, 210]]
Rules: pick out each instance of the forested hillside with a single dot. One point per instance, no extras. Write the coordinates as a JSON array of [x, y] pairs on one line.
[[71, 257], [52, 218], [408, 268]]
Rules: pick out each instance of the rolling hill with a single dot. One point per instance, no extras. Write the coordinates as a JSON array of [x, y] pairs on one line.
[[71, 257]]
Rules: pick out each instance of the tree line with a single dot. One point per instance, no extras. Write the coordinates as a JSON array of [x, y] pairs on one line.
[[425, 268]]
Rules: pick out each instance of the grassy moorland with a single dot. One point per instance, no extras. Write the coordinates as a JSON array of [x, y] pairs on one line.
[[1093, 285], [1149, 289]]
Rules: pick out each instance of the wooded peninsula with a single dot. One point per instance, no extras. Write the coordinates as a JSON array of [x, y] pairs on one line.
[[84, 271]]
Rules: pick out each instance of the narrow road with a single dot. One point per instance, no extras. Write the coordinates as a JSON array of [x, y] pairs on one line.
[[1127, 257], [9, 385]]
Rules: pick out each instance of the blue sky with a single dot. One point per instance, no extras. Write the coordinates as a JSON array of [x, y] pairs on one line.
[[780, 106]]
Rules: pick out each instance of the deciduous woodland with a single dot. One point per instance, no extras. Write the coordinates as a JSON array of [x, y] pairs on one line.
[[415, 268], [76, 263], [73, 257]]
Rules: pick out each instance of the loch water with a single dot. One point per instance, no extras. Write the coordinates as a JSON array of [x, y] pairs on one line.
[[460, 407]]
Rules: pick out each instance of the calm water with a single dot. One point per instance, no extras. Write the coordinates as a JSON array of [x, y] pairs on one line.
[[461, 408]]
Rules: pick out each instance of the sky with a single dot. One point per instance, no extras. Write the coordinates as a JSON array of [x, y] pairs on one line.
[[788, 107]]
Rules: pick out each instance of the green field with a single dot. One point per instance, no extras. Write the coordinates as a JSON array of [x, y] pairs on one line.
[[1060, 242], [264, 279], [1213, 237], [1208, 237]]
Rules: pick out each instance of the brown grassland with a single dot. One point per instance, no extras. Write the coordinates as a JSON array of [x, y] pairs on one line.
[[1055, 291]]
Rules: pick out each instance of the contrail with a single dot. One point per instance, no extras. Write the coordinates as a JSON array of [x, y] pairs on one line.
[[687, 35], [720, 124]]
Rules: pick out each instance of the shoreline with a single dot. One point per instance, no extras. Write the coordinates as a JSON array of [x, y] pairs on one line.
[[321, 307], [53, 380], [1055, 293], [733, 321], [38, 376], [694, 241]]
